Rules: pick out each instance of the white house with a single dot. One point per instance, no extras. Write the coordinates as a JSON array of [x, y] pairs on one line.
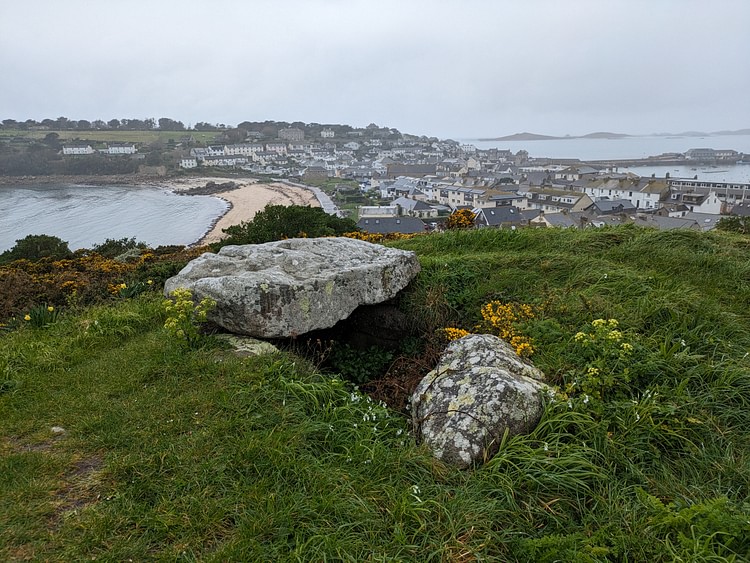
[[698, 202], [643, 193], [78, 149], [223, 160], [215, 150], [188, 162], [121, 148], [278, 148]]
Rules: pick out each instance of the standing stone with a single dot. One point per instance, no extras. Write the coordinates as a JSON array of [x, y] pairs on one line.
[[480, 389], [290, 287]]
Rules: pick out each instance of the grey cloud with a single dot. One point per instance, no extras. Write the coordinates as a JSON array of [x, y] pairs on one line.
[[447, 68]]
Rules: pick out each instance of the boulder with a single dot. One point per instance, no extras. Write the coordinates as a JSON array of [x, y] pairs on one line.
[[287, 288], [480, 389], [244, 346]]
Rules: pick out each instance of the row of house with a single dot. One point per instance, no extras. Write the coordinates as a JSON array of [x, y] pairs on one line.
[[110, 149]]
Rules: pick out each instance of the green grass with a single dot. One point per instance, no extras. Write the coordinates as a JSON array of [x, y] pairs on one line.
[[198, 455]]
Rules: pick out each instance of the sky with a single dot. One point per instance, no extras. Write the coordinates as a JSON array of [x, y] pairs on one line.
[[458, 69]]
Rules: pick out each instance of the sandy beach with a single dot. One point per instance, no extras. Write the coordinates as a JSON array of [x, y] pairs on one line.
[[249, 197]]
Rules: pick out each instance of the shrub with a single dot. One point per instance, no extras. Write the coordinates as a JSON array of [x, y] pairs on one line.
[[112, 248], [502, 319], [277, 222], [460, 219], [184, 317], [34, 247]]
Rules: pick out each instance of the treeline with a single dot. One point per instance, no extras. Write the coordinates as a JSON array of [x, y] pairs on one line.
[[267, 128], [65, 124]]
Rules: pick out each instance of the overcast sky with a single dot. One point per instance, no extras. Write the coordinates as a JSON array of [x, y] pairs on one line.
[[448, 68]]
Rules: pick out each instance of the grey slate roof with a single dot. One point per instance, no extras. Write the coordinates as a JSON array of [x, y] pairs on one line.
[[496, 216], [608, 206], [385, 225]]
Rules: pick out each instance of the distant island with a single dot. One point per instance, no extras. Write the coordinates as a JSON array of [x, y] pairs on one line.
[[526, 136]]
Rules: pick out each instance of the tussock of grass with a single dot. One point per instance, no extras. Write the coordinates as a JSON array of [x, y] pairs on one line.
[[171, 454]]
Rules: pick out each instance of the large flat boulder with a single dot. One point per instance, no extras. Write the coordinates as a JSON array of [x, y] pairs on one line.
[[480, 389], [289, 287]]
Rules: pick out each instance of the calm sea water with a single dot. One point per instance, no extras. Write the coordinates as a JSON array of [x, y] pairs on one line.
[[88, 215], [629, 147]]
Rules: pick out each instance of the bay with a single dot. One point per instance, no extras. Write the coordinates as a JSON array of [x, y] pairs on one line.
[[614, 149], [88, 215], [737, 174]]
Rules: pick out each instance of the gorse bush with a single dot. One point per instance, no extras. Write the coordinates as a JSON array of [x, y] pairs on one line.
[[460, 219], [85, 278], [503, 320]]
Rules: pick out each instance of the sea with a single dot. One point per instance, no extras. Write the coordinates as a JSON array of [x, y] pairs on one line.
[[637, 148], [88, 215], [85, 216]]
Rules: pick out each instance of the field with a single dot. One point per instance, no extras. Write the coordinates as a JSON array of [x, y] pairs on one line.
[[142, 137], [117, 442]]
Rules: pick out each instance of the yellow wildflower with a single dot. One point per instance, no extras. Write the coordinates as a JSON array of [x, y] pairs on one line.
[[50, 308], [27, 317], [452, 333], [614, 335]]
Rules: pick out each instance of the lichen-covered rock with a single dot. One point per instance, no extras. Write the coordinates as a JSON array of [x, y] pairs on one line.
[[244, 346], [290, 287], [480, 389]]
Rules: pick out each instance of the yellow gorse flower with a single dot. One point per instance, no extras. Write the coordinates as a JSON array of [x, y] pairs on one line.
[[501, 319], [452, 333]]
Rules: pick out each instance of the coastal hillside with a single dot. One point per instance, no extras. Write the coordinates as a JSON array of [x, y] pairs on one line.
[[119, 441]]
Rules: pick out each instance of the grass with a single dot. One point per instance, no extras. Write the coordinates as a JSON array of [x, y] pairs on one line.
[[143, 137], [200, 455]]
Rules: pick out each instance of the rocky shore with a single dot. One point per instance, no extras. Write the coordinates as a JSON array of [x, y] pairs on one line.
[[112, 180]]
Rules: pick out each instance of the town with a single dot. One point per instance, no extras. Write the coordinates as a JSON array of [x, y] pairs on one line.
[[398, 183]]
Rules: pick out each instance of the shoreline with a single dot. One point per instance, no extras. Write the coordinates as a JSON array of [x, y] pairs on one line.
[[244, 198]]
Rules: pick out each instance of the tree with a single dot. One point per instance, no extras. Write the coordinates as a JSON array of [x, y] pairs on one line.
[[167, 124], [52, 140], [114, 123], [34, 247], [460, 219], [277, 222]]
